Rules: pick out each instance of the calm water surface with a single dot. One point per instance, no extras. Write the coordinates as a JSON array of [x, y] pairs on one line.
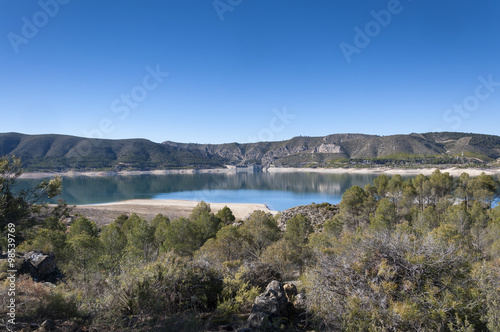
[[277, 191]]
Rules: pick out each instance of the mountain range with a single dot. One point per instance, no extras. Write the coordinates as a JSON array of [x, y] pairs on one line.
[[53, 152]]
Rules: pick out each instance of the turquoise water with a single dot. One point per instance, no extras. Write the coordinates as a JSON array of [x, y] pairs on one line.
[[277, 191]]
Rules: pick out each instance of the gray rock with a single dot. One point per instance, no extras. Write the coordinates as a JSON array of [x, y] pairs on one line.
[[261, 322], [258, 320], [300, 302], [41, 266], [317, 214], [268, 307]]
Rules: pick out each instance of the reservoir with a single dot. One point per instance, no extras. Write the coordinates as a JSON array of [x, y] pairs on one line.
[[279, 191]]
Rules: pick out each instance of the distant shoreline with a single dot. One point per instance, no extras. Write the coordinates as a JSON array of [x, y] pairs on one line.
[[40, 175], [454, 171]]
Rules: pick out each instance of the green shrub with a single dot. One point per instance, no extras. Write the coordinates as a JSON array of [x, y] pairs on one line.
[[237, 295], [171, 286], [58, 306], [395, 281]]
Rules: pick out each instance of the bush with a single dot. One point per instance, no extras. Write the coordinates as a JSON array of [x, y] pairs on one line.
[[396, 281], [58, 306], [4, 266], [260, 275], [170, 286], [29, 295], [38, 301], [487, 275], [226, 215], [237, 295]]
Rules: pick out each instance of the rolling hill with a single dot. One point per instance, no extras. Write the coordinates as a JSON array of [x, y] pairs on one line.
[[61, 152]]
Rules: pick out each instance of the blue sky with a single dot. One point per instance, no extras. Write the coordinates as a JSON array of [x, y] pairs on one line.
[[248, 70]]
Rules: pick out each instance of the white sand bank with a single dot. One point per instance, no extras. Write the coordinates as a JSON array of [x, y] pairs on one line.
[[149, 208]]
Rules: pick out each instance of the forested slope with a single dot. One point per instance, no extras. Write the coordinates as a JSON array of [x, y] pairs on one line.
[[60, 152]]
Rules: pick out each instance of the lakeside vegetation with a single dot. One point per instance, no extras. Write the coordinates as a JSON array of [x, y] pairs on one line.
[[401, 254]]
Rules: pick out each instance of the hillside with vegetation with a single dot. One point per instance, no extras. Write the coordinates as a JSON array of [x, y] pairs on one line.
[[401, 254], [63, 153]]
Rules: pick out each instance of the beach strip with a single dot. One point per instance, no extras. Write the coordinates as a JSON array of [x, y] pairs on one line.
[[454, 171], [148, 208]]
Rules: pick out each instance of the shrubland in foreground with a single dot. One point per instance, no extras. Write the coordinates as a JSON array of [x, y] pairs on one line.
[[417, 254]]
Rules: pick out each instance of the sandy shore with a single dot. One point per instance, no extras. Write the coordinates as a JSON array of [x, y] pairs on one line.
[[454, 171], [149, 208], [40, 175]]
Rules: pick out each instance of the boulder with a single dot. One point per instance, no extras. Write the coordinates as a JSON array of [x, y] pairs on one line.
[[270, 308], [272, 301], [317, 214], [41, 266]]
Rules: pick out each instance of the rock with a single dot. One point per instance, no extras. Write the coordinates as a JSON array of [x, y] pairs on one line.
[[41, 266], [272, 300], [270, 309], [328, 148], [258, 320], [290, 291], [68, 220], [300, 302], [317, 214]]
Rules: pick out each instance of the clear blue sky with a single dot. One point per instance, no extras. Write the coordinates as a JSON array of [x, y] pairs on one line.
[[248, 70]]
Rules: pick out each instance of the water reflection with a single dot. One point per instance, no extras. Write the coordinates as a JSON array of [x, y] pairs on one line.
[[279, 191]]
